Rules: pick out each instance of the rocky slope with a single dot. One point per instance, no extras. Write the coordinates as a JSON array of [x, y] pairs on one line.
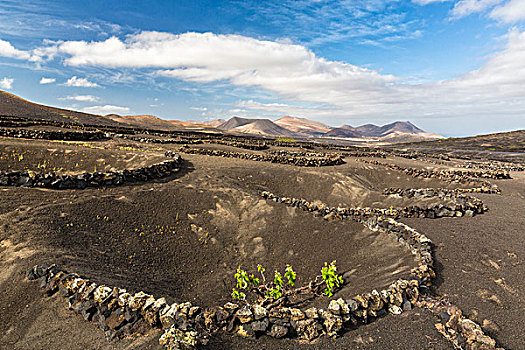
[[14, 106], [303, 126]]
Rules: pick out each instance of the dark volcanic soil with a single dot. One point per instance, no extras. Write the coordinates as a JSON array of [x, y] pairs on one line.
[[183, 238]]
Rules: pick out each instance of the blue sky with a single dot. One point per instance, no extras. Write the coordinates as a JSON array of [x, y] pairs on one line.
[[452, 67]]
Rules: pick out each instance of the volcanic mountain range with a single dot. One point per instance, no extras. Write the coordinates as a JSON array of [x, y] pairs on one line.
[[302, 127], [11, 105]]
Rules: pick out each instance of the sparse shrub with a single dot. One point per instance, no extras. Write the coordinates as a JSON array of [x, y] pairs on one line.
[[282, 288], [285, 139], [331, 278]]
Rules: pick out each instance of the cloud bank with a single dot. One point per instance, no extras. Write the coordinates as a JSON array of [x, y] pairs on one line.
[[297, 74]]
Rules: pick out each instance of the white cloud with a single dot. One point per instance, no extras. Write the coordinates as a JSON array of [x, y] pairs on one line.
[[7, 50], [82, 98], [200, 109], [467, 7], [512, 11], [47, 80], [312, 86], [106, 109], [80, 82], [6, 83]]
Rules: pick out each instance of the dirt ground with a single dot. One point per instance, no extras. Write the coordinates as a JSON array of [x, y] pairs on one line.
[[183, 238]]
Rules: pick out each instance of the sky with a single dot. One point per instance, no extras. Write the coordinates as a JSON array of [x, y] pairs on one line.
[[452, 67]]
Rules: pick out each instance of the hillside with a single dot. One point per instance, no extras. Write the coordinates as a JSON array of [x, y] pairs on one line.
[[263, 127], [371, 130], [147, 121], [394, 132], [235, 122], [512, 141], [303, 126], [14, 106], [213, 123], [345, 131]]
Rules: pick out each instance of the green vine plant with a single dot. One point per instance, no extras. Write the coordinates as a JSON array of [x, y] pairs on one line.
[[281, 289]]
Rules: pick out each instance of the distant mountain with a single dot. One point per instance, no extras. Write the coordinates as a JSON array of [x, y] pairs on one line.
[[13, 106], [213, 123], [303, 126], [345, 131], [255, 126], [147, 121], [369, 130], [394, 132], [402, 127], [235, 122]]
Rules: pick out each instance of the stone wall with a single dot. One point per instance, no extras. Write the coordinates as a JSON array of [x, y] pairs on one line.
[[459, 176], [180, 141], [53, 135], [454, 205], [457, 203], [120, 313], [247, 144], [28, 178], [291, 158]]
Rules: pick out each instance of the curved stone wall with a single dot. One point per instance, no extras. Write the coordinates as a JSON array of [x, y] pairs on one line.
[[292, 158], [120, 313], [54, 135], [459, 176], [30, 178]]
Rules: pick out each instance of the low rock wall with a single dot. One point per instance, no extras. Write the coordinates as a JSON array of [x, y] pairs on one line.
[[461, 331], [454, 205], [53, 135], [459, 176], [458, 204], [29, 178], [180, 141], [253, 145], [291, 158]]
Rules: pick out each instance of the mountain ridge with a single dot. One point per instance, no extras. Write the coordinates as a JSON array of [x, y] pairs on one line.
[[12, 105]]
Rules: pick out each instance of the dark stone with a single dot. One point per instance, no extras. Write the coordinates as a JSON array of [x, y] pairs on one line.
[[42, 281], [110, 334], [100, 320], [88, 310], [77, 307], [33, 273], [63, 291], [116, 319], [278, 331], [221, 315], [261, 325], [444, 316]]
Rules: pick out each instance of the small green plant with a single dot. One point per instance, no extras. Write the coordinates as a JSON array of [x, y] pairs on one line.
[[244, 282], [282, 287], [290, 275], [285, 139], [331, 278]]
